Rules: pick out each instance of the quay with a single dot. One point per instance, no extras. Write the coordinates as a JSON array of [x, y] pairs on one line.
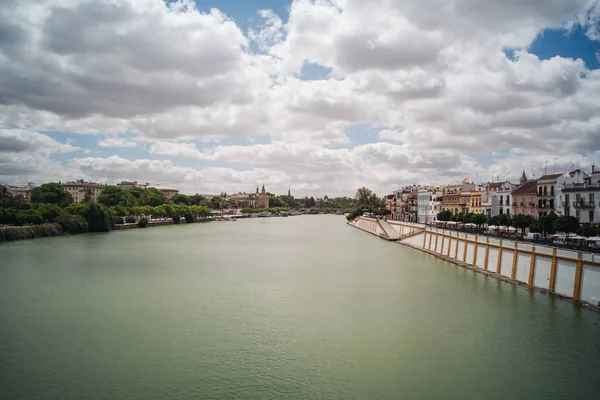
[[566, 273]]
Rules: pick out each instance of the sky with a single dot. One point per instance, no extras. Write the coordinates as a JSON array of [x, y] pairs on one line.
[[316, 96]]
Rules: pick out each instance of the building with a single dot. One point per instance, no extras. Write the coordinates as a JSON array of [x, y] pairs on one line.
[[525, 199], [582, 200], [546, 187], [424, 213], [436, 203], [246, 199], [451, 199], [396, 207], [79, 188], [486, 202], [22, 191], [262, 200], [410, 211], [568, 179], [501, 197], [476, 199], [167, 191]]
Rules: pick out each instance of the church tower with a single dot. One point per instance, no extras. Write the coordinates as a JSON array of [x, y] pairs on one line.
[[289, 193], [523, 179], [263, 189]]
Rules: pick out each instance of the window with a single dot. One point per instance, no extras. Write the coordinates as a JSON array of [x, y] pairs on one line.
[[540, 191], [591, 216], [591, 199], [552, 190], [545, 190]]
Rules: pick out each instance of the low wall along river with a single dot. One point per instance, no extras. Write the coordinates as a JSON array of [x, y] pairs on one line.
[[567, 273]]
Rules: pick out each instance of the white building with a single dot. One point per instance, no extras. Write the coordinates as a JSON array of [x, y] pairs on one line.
[[576, 177], [582, 200], [79, 188], [23, 191], [501, 193], [424, 212]]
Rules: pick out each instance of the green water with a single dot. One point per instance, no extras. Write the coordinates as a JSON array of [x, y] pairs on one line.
[[277, 308]]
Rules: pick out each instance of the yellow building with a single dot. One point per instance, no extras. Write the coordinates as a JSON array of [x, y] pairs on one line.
[[451, 199], [475, 202]]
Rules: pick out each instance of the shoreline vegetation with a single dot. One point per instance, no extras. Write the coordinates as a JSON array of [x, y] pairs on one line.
[[51, 211]]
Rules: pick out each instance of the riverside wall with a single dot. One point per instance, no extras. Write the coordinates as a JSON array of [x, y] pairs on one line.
[[567, 273]]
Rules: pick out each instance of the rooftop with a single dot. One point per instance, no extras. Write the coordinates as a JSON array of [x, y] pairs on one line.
[[549, 176], [529, 187]]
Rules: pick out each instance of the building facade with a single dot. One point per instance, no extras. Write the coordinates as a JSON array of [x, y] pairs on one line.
[[262, 200], [501, 197], [582, 200], [79, 188], [546, 194], [424, 212], [576, 177], [22, 191], [525, 199], [451, 199]]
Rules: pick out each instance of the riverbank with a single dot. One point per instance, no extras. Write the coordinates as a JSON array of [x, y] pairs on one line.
[[564, 273]]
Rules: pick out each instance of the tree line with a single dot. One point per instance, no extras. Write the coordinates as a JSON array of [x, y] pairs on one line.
[[546, 224]]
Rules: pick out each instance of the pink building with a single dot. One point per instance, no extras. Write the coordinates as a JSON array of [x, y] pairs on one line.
[[525, 199]]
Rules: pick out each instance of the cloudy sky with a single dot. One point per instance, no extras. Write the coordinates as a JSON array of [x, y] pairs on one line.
[[320, 96]]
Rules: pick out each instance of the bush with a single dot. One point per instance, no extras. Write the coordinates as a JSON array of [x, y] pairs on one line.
[[176, 219], [356, 213], [29, 217], [189, 218], [30, 232], [143, 222], [119, 221], [72, 224], [131, 219]]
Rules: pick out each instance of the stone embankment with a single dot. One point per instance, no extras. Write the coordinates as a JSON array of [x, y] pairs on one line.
[[566, 273]]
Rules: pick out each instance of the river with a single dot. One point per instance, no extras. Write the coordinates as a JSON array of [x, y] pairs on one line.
[[277, 308]]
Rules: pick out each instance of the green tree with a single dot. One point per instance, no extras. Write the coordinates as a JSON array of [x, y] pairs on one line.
[[479, 219], [29, 217], [566, 224], [522, 221], [504, 220], [356, 213], [492, 220], [587, 230], [87, 196], [181, 199], [547, 222], [49, 211], [7, 200], [97, 217], [153, 197], [444, 215], [113, 196], [51, 193]]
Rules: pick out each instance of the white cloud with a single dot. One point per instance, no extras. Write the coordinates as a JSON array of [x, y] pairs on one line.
[[176, 76], [116, 142], [23, 141]]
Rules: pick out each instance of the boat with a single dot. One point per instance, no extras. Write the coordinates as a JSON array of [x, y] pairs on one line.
[[264, 214]]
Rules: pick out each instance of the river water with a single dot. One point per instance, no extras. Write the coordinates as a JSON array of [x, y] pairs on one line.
[[277, 308]]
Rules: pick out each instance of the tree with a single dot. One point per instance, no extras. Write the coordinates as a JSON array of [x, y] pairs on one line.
[[181, 199], [356, 213], [154, 197], [493, 221], [444, 215], [113, 196], [504, 220], [48, 211], [367, 200], [97, 216], [546, 223], [566, 224], [522, 221], [29, 217], [479, 219], [7, 200], [87, 196], [587, 230], [51, 193]]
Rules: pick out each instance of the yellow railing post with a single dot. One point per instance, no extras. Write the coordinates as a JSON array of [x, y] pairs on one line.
[[499, 265], [513, 273], [553, 267], [487, 253], [532, 266], [578, 276]]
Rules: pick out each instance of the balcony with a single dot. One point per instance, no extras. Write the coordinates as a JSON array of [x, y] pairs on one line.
[[566, 204], [514, 203], [522, 204], [532, 204]]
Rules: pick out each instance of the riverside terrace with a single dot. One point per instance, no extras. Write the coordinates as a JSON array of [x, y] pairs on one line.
[[573, 242]]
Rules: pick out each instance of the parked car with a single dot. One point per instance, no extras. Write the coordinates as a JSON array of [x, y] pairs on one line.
[[533, 236]]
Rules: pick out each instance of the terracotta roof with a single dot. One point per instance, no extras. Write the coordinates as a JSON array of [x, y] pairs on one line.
[[496, 184], [549, 176], [526, 188]]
